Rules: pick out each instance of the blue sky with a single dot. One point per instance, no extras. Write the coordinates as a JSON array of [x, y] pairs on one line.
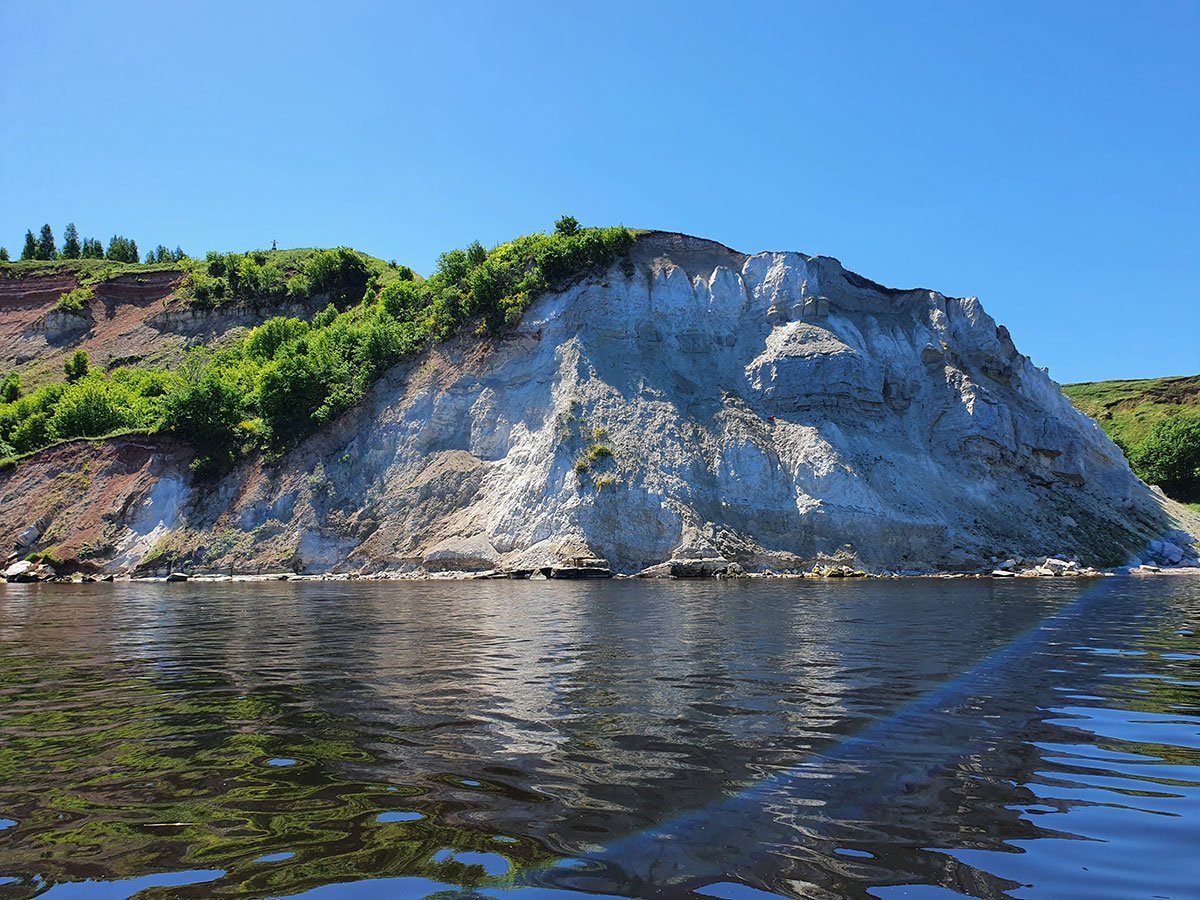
[[1043, 156]]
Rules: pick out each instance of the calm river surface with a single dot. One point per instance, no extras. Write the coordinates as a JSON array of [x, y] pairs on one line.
[[924, 738]]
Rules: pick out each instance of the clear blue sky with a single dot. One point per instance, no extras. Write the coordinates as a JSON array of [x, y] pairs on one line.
[[1043, 156]]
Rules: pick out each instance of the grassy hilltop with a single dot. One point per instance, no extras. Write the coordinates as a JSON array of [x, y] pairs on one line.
[[1156, 421]]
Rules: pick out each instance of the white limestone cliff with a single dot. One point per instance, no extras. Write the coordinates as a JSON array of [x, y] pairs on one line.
[[774, 410]]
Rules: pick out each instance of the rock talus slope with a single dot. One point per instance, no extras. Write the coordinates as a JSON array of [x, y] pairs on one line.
[[775, 410]]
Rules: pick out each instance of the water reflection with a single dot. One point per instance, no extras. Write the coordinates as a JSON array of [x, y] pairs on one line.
[[632, 739]]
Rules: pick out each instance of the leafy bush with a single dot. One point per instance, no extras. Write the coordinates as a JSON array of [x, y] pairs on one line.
[[264, 341], [1170, 457], [340, 274], [75, 301], [10, 388], [77, 366], [92, 407], [206, 406]]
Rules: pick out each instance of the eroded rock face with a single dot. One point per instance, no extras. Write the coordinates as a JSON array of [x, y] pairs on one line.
[[772, 411]]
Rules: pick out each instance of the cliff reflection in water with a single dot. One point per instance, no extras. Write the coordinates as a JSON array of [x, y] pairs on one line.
[[274, 738]]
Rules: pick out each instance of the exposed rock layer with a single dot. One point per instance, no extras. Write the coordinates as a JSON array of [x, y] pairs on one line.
[[773, 411]]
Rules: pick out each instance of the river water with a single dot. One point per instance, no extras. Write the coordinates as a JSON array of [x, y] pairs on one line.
[[920, 738]]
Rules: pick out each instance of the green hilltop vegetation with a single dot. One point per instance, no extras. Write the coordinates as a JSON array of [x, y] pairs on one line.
[[289, 377], [1156, 422]]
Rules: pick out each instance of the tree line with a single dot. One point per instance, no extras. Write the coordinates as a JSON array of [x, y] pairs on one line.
[[120, 248]]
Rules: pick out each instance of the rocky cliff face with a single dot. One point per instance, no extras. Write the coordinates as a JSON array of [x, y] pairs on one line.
[[775, 410], [130, 319]]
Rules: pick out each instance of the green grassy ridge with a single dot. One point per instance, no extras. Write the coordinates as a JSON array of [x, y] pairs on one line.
[[1156, 422], [1127, 410], [86, 271], [206, 280]]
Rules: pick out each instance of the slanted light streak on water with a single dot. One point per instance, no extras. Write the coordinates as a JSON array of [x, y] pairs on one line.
[[866, 747]]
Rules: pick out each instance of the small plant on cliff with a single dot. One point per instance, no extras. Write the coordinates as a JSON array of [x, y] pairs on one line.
[[77, 366], [604, 481], [75, 301], [597, 452]]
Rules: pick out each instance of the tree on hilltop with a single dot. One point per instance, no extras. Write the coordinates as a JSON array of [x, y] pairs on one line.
[[122, 249], [3, 254], [71, 248], [30, 249], [92, 249], [45, 244], [566, 226]]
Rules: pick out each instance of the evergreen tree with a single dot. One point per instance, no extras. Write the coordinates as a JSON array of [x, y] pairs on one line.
[[177, 254], [3, 254], [122, 249], [45, 244], [71, 248], [30, 250], [92, 249]]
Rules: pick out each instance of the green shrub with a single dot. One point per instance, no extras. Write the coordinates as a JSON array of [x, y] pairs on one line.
[[75, 301], [206, 406], [340, 274], [77, 366], [32, 432], [264, 341], [597, 452], [1170, 457], [92, 407]]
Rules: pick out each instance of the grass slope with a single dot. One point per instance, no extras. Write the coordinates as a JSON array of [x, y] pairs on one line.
[[1128, 410]]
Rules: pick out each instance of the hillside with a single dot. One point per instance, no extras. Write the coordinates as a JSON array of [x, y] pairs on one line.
[[124, 314], [1127, 410], [638, 399], [1156, 422]]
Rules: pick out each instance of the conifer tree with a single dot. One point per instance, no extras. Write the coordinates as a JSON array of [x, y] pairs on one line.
[[30, 249], [71, 248], [122, 249], [45, 244], [92, 249], [3, 254]]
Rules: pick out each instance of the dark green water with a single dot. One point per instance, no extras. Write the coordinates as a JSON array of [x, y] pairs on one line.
[[918, 738]]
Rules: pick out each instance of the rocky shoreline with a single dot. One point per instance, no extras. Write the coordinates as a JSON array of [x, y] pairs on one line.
[[26, 571]]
